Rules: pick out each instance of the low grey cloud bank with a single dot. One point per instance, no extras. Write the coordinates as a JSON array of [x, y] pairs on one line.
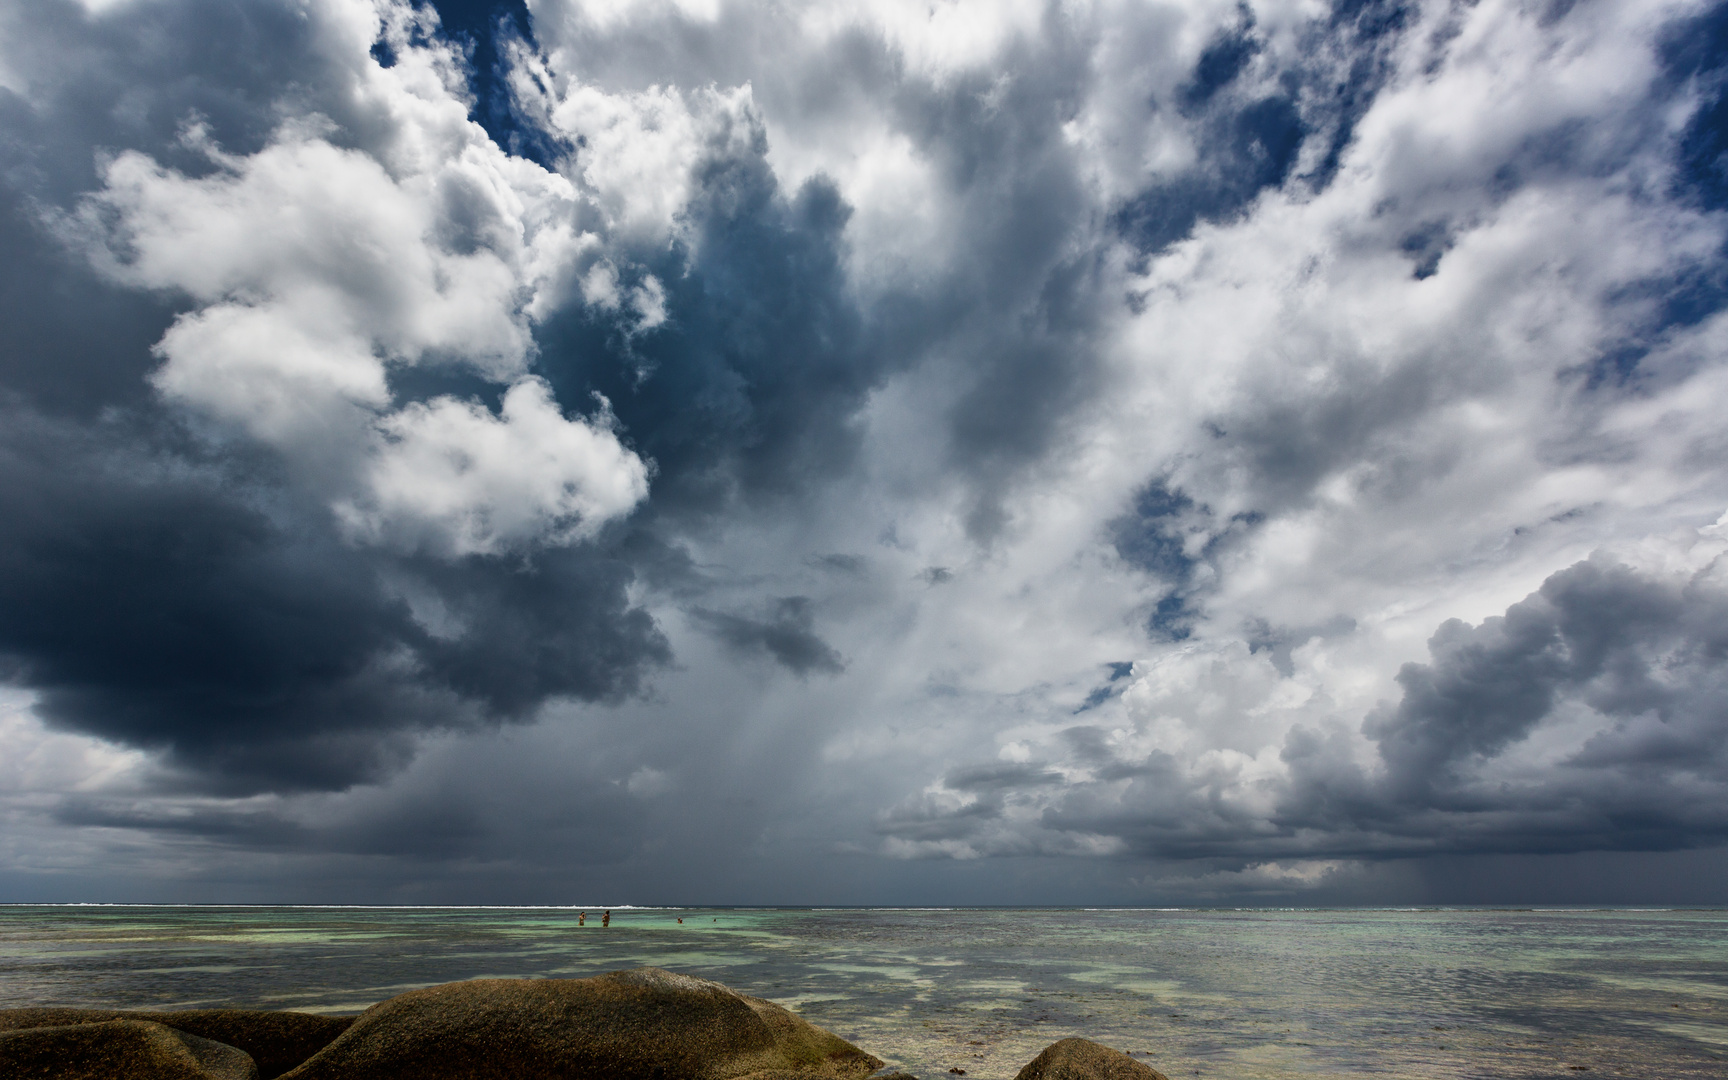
[[1184, 450], [1586, 717]]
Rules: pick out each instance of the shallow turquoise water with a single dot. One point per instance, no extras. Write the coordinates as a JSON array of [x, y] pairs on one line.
[[1249, 994]]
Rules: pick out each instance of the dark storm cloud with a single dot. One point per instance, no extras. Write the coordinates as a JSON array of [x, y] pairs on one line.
[[254, 830], [177, 595], [561, 626], [1021, 312], [922, 823], [130, 79], [151, 606], [419, 825], [160, 603], [71, 346], [841, 563], [749, 389], [786, 633], [1000, 777], [1648, 656]]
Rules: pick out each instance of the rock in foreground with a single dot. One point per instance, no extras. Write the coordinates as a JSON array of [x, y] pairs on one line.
[[277, 1041], [118, 1050], [646, 1024], [1083, 1059]]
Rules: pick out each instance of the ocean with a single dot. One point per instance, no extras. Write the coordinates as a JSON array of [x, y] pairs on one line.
[[1243, 994]]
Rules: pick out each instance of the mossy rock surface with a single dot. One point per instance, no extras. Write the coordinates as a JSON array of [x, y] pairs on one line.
[[118, 1050], [1083, 1059], [277, 1041], [643, 1024]]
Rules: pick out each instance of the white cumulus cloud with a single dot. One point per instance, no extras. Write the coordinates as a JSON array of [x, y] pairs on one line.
[[316, 271]]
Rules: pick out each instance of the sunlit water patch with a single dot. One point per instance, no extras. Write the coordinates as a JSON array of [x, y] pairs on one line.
[[1242, 994]]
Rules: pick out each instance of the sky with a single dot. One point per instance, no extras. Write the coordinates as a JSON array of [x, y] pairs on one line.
[[882, 452]]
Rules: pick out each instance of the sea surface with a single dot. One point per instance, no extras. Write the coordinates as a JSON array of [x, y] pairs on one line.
[[1195, 993]]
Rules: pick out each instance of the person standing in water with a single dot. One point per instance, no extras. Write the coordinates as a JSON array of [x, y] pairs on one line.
[[582, 919], [606, 919]]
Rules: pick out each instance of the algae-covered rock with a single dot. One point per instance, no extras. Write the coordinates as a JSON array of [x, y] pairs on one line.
[[645, 1024], [1083, 1059], [277, 1041], [118, 1050]]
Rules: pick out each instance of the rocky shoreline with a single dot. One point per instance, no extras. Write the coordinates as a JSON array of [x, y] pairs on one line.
[[641, 1024]]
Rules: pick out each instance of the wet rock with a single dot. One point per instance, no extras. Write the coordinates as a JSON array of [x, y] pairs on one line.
[[119, 1050], [277, 1041], [1083, 1059], [645, 1024]]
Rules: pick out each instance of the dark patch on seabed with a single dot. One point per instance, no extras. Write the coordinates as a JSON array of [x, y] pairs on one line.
[[1243, 994]]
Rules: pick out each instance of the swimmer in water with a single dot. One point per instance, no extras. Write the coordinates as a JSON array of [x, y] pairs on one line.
[[606, 919], [582, 919]]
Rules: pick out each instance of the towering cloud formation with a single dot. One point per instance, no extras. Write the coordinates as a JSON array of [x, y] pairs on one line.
[[1217, 448]]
